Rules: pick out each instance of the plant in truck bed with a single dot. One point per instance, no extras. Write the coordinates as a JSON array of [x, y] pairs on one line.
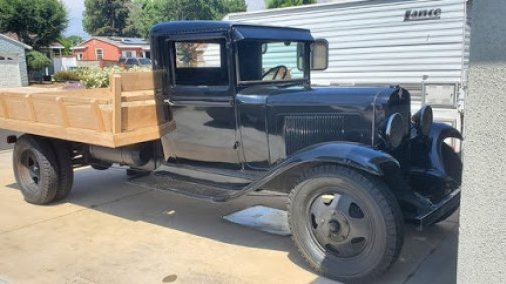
[[99, 77]]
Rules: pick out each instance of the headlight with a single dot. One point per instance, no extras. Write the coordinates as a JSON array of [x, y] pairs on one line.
[[395, 130], [423, 120]]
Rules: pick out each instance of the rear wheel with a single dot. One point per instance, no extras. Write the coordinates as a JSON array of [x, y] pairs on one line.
[[346, 224], [36, 169], [66, 169]]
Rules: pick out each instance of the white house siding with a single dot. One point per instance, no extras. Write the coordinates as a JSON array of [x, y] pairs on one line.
[[13, 73], [371, 44]]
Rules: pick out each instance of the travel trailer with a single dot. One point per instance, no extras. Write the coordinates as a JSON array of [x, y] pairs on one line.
[[421, 45]]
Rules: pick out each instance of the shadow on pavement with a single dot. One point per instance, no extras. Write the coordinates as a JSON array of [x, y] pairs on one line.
[[109, 192]]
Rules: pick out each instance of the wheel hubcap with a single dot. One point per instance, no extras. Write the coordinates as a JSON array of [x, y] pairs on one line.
[[338, 224], [31, 166]]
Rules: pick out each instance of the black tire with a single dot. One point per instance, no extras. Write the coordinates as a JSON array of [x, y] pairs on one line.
[[66, 170], [36, 169], [453, 167], [350, 245], [452, 162]]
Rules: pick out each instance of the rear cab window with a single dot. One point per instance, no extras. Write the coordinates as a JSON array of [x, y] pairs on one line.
[[200, 63]]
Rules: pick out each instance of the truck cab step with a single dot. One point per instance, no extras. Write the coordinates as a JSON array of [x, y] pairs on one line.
[[202, 188]]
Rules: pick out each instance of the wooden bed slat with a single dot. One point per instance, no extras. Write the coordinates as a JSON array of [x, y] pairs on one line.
[[124, 114]]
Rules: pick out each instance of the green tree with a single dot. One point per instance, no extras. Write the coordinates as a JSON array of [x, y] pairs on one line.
[[74, 39], [187, 53], [142, 16], [68, 43], [146, 13], [287, 3], [225, 7], [37, 23], [106, 17]]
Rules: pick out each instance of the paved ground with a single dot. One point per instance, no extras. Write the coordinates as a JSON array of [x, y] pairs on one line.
[[110, 231]]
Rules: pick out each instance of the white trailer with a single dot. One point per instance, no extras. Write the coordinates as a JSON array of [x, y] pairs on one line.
[[422, 45]]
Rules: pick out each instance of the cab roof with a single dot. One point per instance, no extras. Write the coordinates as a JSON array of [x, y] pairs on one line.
[[238, 31]]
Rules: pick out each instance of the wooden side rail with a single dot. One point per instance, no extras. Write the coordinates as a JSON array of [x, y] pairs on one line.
[[115, 82], [123, 114]]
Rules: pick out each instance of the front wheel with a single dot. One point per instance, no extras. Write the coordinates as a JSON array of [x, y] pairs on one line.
[[346, 224]]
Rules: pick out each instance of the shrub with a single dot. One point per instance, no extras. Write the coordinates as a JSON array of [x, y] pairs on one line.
[[37, 61], [64, 76], [99, 78]]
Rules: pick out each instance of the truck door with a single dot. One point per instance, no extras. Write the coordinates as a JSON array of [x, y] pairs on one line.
[[201, 101]]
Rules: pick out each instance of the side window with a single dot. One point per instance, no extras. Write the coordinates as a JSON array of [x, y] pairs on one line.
[[130, 61], [99, 53], [5, 58], [200, 63]]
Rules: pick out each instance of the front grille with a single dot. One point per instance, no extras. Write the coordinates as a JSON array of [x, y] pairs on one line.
[[301, 131]]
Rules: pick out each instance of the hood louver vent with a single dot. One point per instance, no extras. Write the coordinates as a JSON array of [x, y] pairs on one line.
[[301, 131]]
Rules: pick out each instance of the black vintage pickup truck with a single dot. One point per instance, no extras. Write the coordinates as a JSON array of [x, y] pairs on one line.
[[354, 162]]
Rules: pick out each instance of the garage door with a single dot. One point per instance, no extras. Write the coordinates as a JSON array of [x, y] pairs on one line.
[[9, 71]]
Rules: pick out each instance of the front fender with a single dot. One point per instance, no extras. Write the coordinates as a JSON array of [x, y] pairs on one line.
[[438, 133], [347, 154], [343, 153], [436, 169]]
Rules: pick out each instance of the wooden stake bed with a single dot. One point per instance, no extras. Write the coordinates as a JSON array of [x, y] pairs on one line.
[[124, 114]]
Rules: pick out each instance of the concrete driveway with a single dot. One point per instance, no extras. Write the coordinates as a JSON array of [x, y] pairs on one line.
[[110, 231], [3, 137]]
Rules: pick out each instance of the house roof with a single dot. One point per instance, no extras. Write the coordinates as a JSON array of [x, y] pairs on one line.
[[120, 42], [56, 45], [25, 46]]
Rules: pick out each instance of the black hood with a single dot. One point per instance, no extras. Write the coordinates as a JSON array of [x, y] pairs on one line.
[[296, 117]]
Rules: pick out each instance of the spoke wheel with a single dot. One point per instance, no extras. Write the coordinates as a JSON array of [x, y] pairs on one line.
[[346, 224]]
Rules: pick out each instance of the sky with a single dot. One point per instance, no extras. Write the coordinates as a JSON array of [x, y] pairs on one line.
[[75, 9]]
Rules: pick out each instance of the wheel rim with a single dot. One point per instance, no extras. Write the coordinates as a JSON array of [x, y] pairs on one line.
[[30, 168], [338, 224]]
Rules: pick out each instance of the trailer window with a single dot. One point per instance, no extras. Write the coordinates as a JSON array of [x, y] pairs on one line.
[[200, 63]]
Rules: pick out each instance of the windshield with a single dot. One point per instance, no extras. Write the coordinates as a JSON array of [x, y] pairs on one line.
[[261, 61]]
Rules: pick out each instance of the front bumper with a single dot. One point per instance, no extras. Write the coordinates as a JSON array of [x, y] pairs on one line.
[[449, 204]]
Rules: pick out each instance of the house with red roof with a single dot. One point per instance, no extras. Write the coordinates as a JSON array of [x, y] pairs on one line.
[[102, 48]]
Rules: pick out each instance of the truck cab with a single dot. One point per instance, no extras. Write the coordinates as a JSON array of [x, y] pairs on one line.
[[354, 162]]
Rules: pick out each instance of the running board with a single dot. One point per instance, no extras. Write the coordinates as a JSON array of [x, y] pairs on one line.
[[190, 186]]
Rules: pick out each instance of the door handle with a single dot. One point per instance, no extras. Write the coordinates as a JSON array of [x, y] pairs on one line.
[[169, 102]]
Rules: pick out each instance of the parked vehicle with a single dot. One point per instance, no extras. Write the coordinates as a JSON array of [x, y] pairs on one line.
[[134, 61], [354, 161]]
